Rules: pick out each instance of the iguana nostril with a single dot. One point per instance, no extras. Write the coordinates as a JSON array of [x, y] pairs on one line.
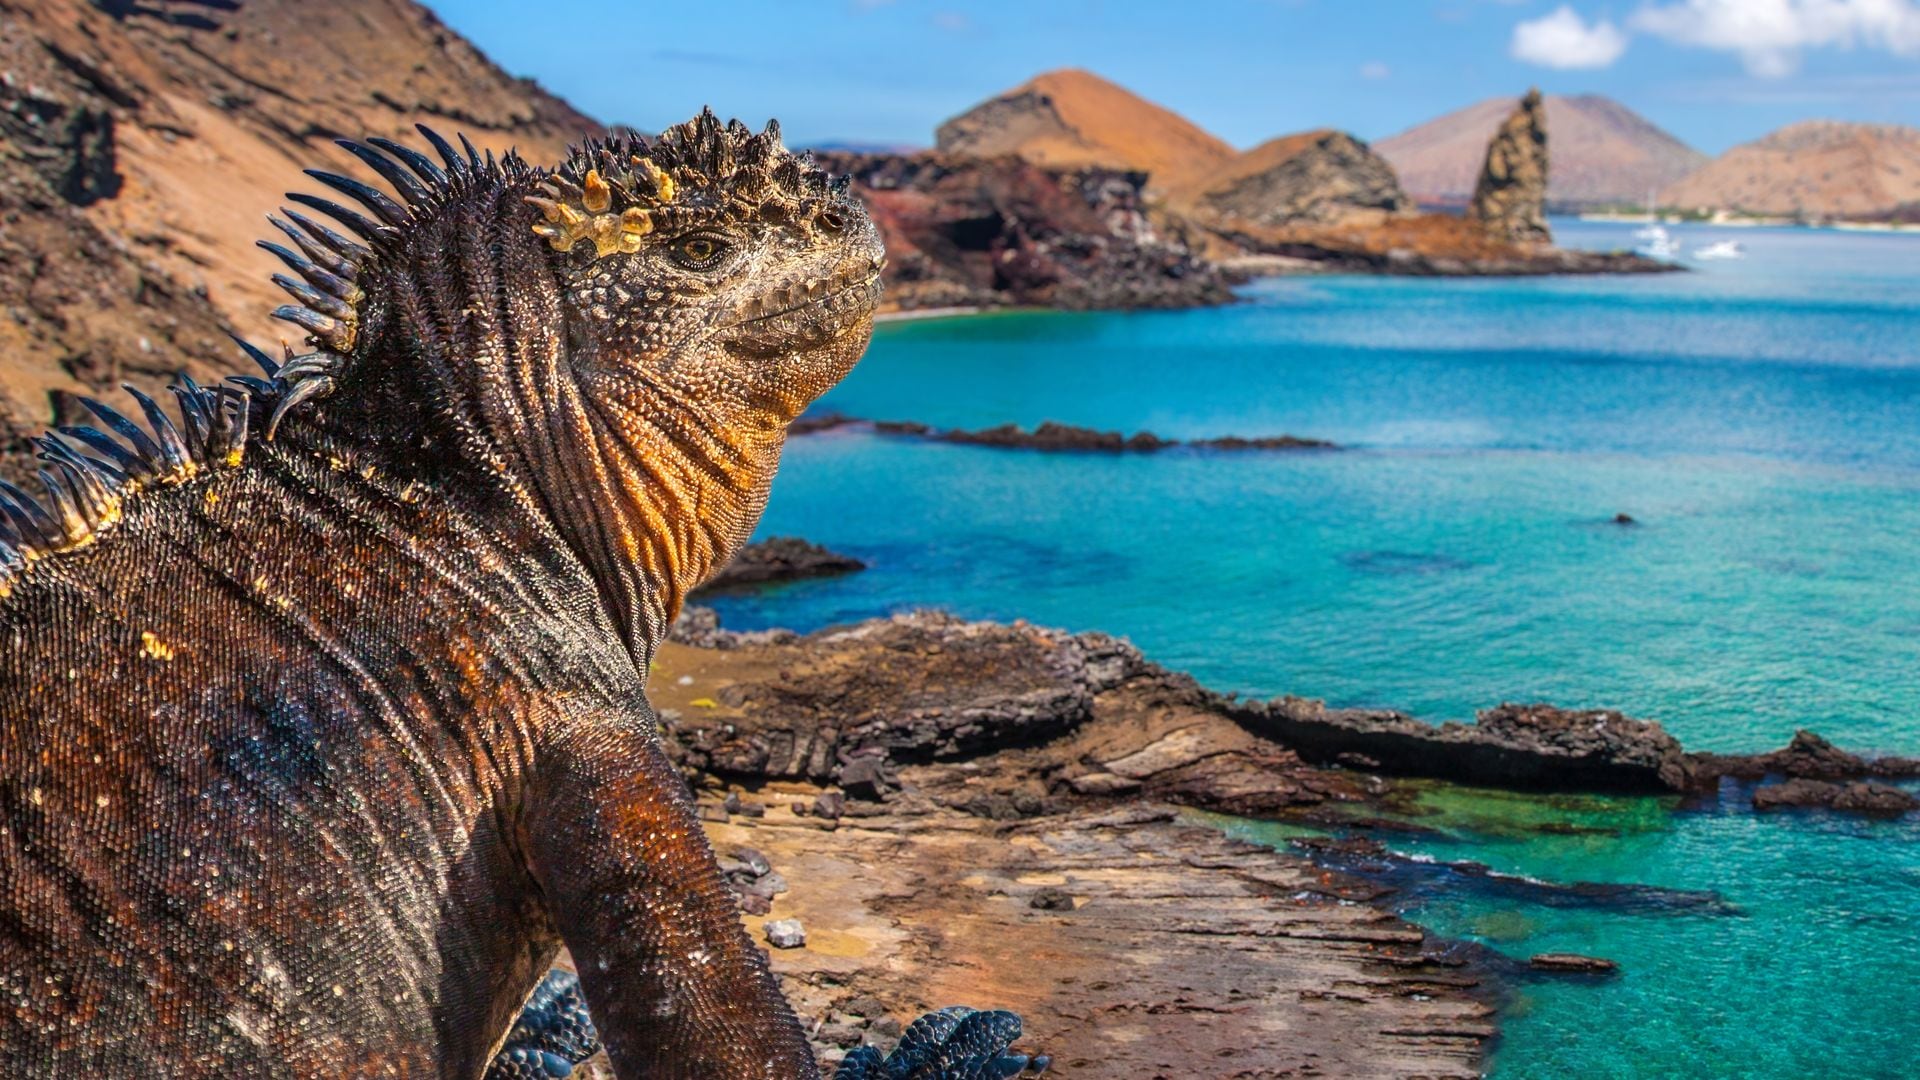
[[832, 221]]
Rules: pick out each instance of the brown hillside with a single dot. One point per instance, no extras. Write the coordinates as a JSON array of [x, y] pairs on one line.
[[1321, 176], [1819, 168], [154, 138], [1075, 118], [1603, 152]]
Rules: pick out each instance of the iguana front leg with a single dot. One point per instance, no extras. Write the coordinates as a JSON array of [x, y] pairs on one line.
[[676, 987]]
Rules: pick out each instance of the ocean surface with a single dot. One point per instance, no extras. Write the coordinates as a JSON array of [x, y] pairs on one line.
[[1759, 419]]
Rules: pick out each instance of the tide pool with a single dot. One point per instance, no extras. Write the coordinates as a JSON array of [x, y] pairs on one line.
[[1759, 419]]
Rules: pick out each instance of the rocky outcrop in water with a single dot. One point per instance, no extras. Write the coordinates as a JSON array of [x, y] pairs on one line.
[[1510, 201], [1515, 746], [1052, 436], [1806, 757], [777, 559]]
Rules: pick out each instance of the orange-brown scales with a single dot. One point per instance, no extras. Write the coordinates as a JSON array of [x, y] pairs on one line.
[[323, 708]]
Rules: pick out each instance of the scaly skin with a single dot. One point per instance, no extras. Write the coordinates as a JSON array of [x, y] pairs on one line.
[[316, 749]]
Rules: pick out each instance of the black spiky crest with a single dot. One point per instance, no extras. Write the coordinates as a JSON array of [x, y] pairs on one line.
[[619, 187], [90, 472]]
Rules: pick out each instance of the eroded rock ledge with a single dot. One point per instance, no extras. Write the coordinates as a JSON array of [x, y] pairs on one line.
[[993, 814], [1004, 814]]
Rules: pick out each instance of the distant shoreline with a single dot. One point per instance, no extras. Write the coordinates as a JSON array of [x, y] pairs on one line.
[[1749, 223], [911, 314]]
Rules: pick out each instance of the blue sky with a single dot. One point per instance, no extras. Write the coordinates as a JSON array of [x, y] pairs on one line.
[[1713, 72]]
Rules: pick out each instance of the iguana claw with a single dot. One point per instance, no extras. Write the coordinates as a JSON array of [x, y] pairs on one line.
[[951, 1044]]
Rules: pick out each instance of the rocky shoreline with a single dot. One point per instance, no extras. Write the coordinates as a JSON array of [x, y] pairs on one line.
[[1005, 814], [975, 812]]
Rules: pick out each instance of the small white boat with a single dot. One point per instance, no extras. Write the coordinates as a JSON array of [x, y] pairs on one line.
[[1657, 243], [1725, 249]]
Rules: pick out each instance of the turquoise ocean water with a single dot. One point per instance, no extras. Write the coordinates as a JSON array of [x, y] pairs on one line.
[[1760, 418]]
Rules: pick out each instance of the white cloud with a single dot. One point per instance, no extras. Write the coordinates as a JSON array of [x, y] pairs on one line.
[[1770, 35], [1564, 40], [1375, 69]]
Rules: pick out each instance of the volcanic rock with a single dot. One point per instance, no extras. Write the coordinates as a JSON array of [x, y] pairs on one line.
[[1573, 963], [1860, 797], [1518, 746], [991, 232], [1510, 200], [786, 934], [1054, 436], [1075, 119], [1323, 176], [779, 558], [912, 688], [1808, 757]]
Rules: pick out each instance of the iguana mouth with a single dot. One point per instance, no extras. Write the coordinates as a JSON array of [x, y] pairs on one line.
[[824, 293]]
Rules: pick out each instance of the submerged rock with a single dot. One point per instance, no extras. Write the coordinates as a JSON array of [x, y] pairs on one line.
[[1573, 963], [1859, 797]]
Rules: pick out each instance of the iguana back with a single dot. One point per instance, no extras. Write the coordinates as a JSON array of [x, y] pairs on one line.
[[323, 699]]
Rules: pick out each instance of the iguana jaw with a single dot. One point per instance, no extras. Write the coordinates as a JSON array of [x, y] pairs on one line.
[[806, 330]]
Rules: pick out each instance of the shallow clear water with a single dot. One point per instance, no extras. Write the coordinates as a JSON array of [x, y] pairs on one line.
[[1761, 419]]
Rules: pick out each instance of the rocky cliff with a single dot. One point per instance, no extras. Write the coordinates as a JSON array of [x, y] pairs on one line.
[[1510, 201], [143, 143], [972, 232], [1321, 176], [1603, 152], [1818, 169], [1075, 118]]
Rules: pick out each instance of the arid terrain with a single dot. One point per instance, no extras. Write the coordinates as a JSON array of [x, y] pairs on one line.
[[141, 148], [1818, 169]]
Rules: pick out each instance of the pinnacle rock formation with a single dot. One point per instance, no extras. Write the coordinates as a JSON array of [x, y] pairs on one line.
[[1510, 202]]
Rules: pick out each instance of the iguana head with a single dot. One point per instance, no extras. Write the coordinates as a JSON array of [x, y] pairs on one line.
[[714, 261], [620, 341]]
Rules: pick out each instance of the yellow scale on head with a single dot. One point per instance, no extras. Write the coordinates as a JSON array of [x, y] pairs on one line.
[[592, 219]]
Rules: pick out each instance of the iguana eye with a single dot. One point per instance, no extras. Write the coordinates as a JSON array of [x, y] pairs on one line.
[[698, 252]]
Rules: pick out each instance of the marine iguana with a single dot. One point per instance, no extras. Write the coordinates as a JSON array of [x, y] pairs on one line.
[[324, 706]]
